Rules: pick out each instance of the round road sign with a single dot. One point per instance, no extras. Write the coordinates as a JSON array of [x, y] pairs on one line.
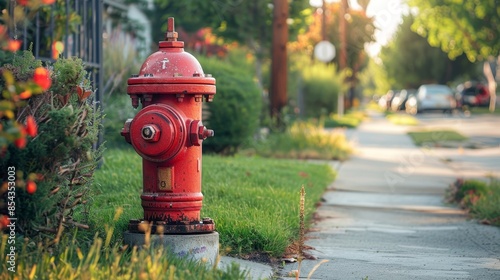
[[324, 51]]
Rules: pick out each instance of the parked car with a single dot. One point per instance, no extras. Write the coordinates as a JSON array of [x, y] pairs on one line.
[[431, 97], [399, 101], [386, 100], [473, 94], [411, 104], [382, 102]]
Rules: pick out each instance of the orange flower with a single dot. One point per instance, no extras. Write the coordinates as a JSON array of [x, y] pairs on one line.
[[31, 127], [21, 141], [23, 2], [13, 45], [25, 94], [4, 221], [57, 49], [42, 78], [48, 2], [30, 187]]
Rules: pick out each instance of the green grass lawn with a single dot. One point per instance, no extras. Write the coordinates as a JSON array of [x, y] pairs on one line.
[[484, 110], [425, 137], [253, 201]]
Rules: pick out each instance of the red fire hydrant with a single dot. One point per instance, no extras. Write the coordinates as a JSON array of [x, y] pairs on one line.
[[167, 133]]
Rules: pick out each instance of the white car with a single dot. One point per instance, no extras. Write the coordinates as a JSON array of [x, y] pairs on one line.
[[432, 97]]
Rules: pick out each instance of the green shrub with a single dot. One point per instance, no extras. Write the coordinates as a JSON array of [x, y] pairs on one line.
[[471, 187], [320, 86], [62, 152], [234, 114], [480, 199], [487, 207]]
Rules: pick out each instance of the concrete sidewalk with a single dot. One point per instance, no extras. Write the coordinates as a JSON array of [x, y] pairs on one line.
[[254, 270], [383, 217]]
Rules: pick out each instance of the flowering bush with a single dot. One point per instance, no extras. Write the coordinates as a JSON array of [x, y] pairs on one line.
[[60, 127], [48, 126]]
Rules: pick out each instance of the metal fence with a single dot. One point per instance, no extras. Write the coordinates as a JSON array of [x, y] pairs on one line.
[[78, 25]]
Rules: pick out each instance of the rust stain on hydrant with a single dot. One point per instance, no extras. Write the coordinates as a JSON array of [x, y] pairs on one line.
[[167, 133]]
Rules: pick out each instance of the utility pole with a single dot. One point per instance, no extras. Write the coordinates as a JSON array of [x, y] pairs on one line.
[[278, 94], [343, 51], [323, 20], [343, 35]]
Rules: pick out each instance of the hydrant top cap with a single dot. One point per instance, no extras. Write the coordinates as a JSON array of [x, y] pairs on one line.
[[171, 65]]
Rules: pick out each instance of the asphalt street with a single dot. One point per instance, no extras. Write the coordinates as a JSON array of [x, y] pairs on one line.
[[384, 216]]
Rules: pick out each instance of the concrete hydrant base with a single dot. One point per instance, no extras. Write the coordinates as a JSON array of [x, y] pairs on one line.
[[201, 247]]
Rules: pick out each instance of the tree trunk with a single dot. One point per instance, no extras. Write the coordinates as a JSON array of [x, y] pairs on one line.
[[278, 91], [491, 71]]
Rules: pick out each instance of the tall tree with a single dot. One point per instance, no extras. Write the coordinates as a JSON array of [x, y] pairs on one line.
[[471, 27], [410, 61], [357, 30]]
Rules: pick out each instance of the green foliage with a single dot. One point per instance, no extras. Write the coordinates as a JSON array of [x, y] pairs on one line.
[[68, 75], [263, 189], [487, 207], [62, 152], [460, 27], [360, 31], [234, 114], [22, 65], [321, 86], [248, 22], [306, 140], [471, 187], [432, 66], [374, 80]]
